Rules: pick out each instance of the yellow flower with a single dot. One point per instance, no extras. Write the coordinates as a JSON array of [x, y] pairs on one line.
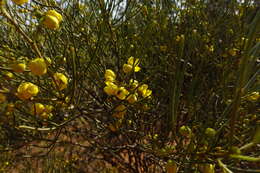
[[233, 51], [133, 84], [18, 68], [27, 90], [55, 14], [111, 88], [132, 65], [133, 61], [127, 68], [144, 91], [38, 66], [147, 93], [52, 19], [20, 2], [48, 108], [61, 81], [132, 98], [210, 48], [254, 96], [51, 22], [163, 48], [120, 111], [48, 61], [110, 75], [122, 93], [2, 98], [8, 75], [37, 109], [142, 88]]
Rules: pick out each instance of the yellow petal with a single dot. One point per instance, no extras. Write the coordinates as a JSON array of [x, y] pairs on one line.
[[132, 98], [38, 66], [27, 90], [110, 75], [137, 68], [18, 68], [122, 93], [111, 88], [61, 81], [133, 84], [51, 22], [127, 68], [37, 109], [133, 61], [55, 14]]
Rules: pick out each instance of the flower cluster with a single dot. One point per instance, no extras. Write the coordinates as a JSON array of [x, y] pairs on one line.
[[132, 65], [129, 92], [42, 110], [38, 67]]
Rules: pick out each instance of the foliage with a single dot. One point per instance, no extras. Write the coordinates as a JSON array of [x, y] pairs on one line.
[[129, 86]]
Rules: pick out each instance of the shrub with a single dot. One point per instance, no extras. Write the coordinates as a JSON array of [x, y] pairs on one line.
[[129, 86]]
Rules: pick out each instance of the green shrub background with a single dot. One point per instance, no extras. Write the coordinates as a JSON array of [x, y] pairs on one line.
[[200, 59]]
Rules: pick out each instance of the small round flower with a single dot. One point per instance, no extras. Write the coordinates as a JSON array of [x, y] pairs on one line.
[[61, 81], [27, 90], [55, 14], [52, 19], [2, 98], [132, 98], [111, 88], [142, 89], [110, 75], [37, 109], [8, 75], [122, 93], [38, 66], [19, 67], [120, 111], [20, 2], [51, 22], [127, 68]]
